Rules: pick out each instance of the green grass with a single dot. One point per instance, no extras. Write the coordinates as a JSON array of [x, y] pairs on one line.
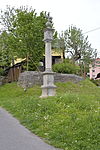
[[70, 120]]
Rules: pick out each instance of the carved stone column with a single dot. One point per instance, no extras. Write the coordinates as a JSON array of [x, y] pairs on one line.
[[48, 87]]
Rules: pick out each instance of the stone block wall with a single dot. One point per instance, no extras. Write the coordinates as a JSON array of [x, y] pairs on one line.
[[1, 80], [29, 78], [59, 77]]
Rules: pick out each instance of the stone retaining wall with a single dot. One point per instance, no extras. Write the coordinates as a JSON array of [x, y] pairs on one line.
[[29, 78], [1, 80]]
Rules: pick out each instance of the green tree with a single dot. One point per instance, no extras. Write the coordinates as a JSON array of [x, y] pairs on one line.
[[79, 48], [6, 54], [25, 28], [77, 44], [59, 44]]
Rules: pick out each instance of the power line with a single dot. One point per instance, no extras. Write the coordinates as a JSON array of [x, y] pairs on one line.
[[92, 30]]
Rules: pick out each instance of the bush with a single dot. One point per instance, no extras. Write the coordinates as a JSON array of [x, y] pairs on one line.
[[96, 82], [1, 72], [66, 67]]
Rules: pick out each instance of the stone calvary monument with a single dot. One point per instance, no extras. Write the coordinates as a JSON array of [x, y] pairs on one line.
[[28, 79], [48, 87]]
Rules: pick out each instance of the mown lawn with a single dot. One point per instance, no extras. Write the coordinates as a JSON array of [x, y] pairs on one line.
[[70, 120]]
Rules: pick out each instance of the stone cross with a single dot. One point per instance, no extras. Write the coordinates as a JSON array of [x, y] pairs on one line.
[[48, 87]]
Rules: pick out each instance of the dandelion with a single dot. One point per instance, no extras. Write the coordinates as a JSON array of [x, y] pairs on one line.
[[46, 134], [96, 111], [46, 117], [38, 104]]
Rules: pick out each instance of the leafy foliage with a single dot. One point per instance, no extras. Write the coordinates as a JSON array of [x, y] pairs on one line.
[[77, 44], [66, 67], [25, 30], [96, 82], [59, 44], [6, 54], [1, 71]]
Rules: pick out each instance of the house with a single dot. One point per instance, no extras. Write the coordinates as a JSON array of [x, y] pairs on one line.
[[95, 69], [12, 73], [57, 57]]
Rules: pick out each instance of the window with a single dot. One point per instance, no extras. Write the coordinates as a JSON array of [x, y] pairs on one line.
[[97, 65], [97, 62], [93, 70]]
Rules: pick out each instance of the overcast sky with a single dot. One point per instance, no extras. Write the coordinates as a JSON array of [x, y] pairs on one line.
[[84, 14]]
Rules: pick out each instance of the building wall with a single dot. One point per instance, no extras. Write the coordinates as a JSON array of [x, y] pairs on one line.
[[95, 68]]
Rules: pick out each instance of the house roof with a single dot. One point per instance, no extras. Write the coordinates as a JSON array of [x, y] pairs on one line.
[[18, 60]]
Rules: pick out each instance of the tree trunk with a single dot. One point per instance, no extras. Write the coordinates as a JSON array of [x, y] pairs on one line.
[[27, 60], [63, 52], [84, 71]]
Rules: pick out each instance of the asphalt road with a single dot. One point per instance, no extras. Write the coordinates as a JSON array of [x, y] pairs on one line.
[[14, 136]]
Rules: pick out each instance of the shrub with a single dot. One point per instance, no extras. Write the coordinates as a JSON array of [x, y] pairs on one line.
[[1, 72], [66, 67], [96, 82]]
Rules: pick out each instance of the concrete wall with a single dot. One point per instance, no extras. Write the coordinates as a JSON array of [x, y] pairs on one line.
[[29, 78]]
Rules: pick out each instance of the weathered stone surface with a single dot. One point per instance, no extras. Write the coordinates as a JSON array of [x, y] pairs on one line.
[[59, 77], [1, 80], [29, 78], [48, 87]]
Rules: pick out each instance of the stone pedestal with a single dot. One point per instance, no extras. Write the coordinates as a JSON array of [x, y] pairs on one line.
[[48, 88]]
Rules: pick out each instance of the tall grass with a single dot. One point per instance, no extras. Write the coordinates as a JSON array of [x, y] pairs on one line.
[[70, 120]]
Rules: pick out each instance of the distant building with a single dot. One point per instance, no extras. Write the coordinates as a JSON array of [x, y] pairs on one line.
[[57, 57], [95, 69]]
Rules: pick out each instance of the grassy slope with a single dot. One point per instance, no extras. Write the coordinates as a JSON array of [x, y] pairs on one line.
[[71, 120]]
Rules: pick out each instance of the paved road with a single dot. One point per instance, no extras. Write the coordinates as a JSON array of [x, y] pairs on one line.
[[14, 136]]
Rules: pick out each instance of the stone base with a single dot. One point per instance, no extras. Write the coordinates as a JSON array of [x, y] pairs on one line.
[[48, 91], [48, 87]]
